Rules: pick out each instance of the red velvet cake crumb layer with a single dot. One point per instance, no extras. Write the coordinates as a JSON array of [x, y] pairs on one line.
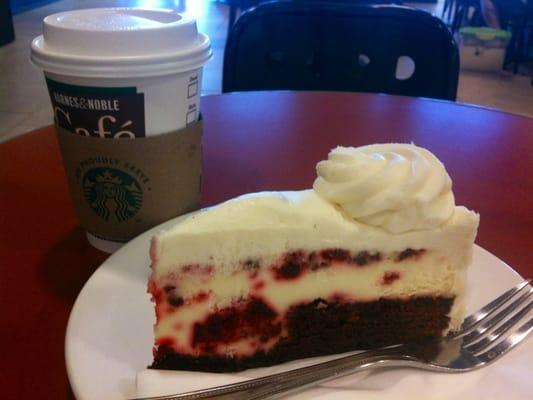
[[313, 329], [389, 277], [295, 263], [251, 319]]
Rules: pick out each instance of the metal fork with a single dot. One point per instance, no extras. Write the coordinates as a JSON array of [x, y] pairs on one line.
[[484, 337]]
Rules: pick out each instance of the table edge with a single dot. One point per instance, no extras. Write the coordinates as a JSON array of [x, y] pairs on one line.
[[369, 94]]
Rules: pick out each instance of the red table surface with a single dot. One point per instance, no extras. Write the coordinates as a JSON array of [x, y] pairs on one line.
[[252, 142]]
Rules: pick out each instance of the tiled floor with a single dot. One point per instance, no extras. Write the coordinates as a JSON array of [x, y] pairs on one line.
[[24, 103]]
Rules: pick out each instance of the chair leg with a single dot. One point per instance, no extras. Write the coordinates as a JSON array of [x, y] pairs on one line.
[[515, 47], [458, 18], [451, 11], [445, 8], [519, 49]]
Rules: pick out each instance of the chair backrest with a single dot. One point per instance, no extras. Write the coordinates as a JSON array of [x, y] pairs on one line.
[[326, 46]]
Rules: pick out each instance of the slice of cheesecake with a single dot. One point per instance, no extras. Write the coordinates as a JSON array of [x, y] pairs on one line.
[[270, 277]]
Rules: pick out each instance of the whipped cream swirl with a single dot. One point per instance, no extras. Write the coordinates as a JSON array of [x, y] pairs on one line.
[[398, 187]]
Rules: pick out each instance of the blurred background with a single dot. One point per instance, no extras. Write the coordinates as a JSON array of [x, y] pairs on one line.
[[504, 82]]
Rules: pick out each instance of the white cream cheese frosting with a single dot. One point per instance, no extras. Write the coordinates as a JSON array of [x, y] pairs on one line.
[[267, 224], [397, 187]]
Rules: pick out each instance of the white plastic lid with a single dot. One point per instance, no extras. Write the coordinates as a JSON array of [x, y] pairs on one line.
[[120, 43]]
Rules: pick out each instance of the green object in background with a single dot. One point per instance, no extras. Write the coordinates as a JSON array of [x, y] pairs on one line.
[[484, 37], [484, 33]]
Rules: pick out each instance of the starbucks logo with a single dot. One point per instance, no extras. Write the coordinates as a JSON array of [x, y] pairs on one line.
[[112, 193]]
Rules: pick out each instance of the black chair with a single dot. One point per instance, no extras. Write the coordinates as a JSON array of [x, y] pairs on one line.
[[326, 46], [236, 5]]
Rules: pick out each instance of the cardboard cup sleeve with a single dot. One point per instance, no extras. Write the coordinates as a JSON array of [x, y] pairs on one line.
[[122, 187]]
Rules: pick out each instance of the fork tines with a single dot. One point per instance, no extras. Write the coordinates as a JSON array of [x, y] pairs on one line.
[[484, 328], [475, 319]]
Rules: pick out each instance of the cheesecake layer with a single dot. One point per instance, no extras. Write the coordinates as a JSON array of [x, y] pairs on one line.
[[191, 295]]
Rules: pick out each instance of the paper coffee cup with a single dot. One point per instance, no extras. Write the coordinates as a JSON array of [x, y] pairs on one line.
[[118, 74]]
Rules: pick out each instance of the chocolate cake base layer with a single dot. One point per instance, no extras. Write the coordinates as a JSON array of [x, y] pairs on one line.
[[322, 327]]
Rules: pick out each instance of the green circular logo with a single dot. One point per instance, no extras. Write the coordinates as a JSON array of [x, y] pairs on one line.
[[112, 193]]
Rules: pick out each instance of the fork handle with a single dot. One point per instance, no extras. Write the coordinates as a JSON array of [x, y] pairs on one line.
[[274, 386]]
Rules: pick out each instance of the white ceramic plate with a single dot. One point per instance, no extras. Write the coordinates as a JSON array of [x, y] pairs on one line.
[[109, 340]]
